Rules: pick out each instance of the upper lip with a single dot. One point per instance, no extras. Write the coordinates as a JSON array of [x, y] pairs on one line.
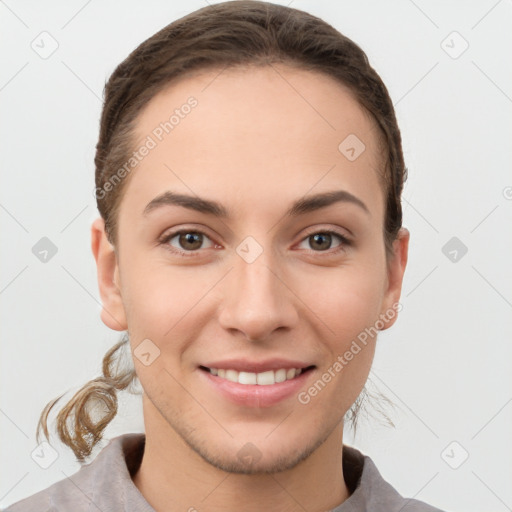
[[244, 365]]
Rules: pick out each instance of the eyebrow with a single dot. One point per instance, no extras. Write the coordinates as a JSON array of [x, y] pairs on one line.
[[299, 207]]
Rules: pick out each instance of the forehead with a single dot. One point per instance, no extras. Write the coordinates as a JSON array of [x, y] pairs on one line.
[[242, 134]]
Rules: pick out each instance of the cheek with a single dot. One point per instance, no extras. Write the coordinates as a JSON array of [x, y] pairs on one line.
[[157, 296], [347, 300], [161, 305], [348, 304], [349, 311]]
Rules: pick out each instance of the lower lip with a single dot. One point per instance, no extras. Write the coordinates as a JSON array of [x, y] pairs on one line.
[[254, 395]]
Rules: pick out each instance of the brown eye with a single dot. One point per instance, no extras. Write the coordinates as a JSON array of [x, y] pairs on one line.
[[188, 241], [320, 241], [325, 240]]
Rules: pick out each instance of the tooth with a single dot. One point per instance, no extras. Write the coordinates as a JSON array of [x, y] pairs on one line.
[[280, 375], [265, 378], [247, 378], [232, 375]]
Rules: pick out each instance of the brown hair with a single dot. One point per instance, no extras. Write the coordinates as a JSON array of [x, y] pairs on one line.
[[228, 34]]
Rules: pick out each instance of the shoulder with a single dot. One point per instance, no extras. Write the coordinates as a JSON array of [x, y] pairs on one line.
[[370, 492], [98, 485], [70, 493]]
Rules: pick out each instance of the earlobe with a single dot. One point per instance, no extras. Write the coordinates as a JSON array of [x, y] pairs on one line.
[[113, 313], [396, 270]]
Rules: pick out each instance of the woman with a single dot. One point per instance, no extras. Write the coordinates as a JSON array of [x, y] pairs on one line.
[[248, 175]]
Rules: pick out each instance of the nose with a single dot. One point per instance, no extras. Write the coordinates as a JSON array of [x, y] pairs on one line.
[[257, 300]]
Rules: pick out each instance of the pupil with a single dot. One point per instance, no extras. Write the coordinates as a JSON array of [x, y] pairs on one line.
[[323, 240], [192, 239]]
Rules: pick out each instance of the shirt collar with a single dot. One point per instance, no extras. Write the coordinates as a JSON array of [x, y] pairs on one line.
[[116, 464]]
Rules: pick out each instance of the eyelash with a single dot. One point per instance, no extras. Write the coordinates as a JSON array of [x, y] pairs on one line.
[[345, 242]]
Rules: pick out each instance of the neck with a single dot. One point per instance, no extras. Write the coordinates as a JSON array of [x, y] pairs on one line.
[[172, 473]]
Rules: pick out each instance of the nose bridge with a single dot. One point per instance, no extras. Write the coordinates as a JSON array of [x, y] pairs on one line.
[[256, 301]]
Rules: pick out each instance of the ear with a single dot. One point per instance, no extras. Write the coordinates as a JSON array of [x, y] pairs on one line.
[[396, 268], [113, 313]]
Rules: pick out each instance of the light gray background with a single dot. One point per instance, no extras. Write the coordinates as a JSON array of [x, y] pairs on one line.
[[446, 364]]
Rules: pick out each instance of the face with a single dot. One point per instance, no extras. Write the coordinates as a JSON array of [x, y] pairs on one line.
[[251, 250]]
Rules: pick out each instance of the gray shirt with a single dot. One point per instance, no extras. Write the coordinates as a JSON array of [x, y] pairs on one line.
[[106, 485]]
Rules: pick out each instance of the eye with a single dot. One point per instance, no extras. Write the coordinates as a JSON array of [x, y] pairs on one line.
[[187, 241], [323, 241]]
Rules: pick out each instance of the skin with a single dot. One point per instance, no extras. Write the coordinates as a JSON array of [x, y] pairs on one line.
[[254, 145]]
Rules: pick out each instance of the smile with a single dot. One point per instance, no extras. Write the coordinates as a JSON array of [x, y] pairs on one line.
[[266, 378]]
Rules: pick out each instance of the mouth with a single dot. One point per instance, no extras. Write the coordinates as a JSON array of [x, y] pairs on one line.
[[263, 378]]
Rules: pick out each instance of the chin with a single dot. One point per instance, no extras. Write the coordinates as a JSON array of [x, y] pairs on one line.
[[261, 456], [249, 460]]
